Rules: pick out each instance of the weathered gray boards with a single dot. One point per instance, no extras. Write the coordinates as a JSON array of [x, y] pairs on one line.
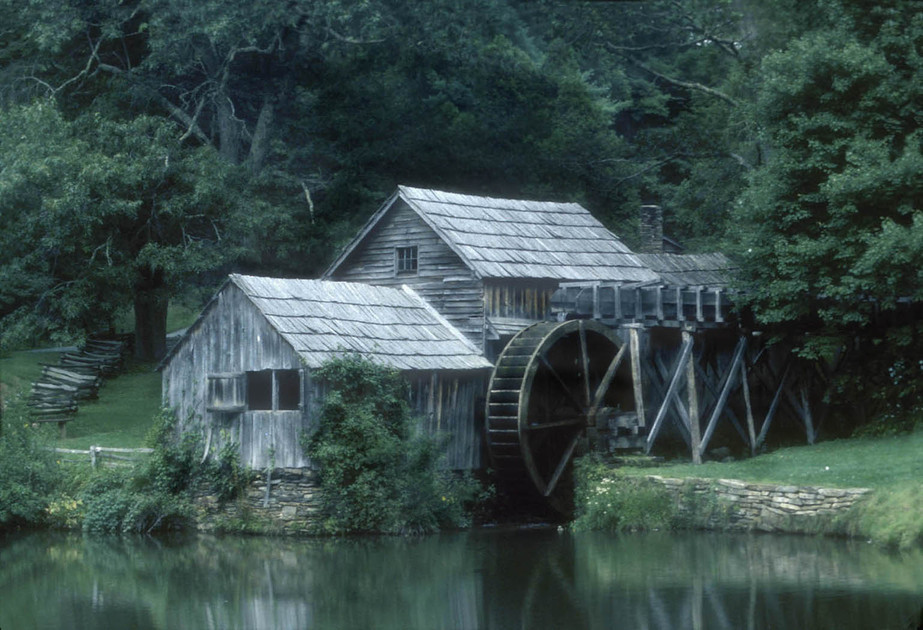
[[488, 265], [476, 273], [243, 371]]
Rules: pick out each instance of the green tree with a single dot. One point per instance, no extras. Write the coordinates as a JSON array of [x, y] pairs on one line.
[[830, 225], [97, 213]]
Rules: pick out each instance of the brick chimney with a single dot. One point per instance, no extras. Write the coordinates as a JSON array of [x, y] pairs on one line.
[[651, 230]]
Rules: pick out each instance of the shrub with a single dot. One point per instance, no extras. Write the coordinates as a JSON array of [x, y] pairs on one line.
[[150, 498], [28, 471], [378, 473], [606, 500]]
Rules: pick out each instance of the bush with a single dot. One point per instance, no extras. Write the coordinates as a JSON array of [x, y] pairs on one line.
[[28, 471], [606, 500], [151, 498], [377, 472]]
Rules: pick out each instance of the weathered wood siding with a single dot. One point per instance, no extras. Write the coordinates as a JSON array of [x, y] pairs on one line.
[[452, 405], [233, 337], [442, 278], [523, 299]]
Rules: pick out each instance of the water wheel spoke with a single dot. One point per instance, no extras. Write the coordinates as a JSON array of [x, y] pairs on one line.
[[562, 465], [573, 400], [568, 422], [604, 384], [585, 365]]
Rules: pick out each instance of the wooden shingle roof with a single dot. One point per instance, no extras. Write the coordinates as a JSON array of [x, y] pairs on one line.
[[510, 238], [710, 270], [393, 327]]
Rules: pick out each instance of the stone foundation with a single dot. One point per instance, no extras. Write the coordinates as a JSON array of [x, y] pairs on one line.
[[739, 505], [290, 506]]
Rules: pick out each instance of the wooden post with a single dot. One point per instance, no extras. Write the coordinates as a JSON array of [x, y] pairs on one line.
[[93, 462], [806, 412], [751, 426], [692, 395], [634, 340]]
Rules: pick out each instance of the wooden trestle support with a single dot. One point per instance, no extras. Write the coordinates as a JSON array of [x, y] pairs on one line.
[[560, 388]]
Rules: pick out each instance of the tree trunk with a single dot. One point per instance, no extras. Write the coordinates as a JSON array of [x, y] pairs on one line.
[[151, 300], [259, 146]]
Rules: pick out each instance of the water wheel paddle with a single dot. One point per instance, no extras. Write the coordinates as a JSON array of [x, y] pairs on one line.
[[548, 386]]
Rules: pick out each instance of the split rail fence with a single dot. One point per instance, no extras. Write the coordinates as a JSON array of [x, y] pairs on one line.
[[78, 376], [103, 456]]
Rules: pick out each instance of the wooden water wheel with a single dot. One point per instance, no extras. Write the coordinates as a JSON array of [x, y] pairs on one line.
[[549, 385]]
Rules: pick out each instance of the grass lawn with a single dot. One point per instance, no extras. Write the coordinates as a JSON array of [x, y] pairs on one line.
[[862, 462], [120, 417]]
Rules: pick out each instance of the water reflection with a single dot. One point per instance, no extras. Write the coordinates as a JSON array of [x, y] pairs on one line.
[[480, 580]]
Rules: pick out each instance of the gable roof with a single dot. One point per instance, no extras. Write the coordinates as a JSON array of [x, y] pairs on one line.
[[712, 270], [510, 238], [322, 319]]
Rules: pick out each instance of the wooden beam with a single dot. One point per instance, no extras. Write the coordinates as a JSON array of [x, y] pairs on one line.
[[751, 427], [729, 378], [715, 392], [676, 400], [692, 394], [658, 385], [808, 419], [773, 407], [674, 384], [634, 340]]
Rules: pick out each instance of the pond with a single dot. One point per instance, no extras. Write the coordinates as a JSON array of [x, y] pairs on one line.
[[497, 579]]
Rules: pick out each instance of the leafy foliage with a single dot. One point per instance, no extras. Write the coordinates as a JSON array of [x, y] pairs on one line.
[[28, 473], [378, 473], [155, 497], [606, 500], [830, 226]]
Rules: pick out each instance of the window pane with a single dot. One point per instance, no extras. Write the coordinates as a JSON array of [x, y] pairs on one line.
[[406, 259], [259, 390], [225, 392], [289, 388]]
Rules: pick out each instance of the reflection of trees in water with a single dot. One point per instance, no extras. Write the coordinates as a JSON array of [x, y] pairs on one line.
[[524, 579], [737, 581]]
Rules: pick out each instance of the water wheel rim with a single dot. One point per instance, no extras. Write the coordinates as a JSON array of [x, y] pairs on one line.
[[541, 338]]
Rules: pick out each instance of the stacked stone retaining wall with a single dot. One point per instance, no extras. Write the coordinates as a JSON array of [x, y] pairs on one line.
[[740, 505], [290, 506]]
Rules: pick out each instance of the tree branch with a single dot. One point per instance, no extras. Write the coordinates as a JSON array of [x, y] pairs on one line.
[[689, 85], [190, 122]]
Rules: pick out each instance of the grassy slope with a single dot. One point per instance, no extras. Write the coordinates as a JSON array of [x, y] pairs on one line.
[[866, 462], [893, 466]]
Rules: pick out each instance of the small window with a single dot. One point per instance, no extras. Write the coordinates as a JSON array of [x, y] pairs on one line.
[[289, 385], [259, 390], [273, 390], [226, 393], [406, 259]]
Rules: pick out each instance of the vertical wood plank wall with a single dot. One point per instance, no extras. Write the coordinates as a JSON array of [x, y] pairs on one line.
[[518, 299], [442, 278], [234, 337]]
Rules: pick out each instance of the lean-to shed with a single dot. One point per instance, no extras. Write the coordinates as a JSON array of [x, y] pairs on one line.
[[243, 370], [488, 265]]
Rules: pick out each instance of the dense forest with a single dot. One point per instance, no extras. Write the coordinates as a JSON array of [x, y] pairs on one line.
[[149, 146]]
